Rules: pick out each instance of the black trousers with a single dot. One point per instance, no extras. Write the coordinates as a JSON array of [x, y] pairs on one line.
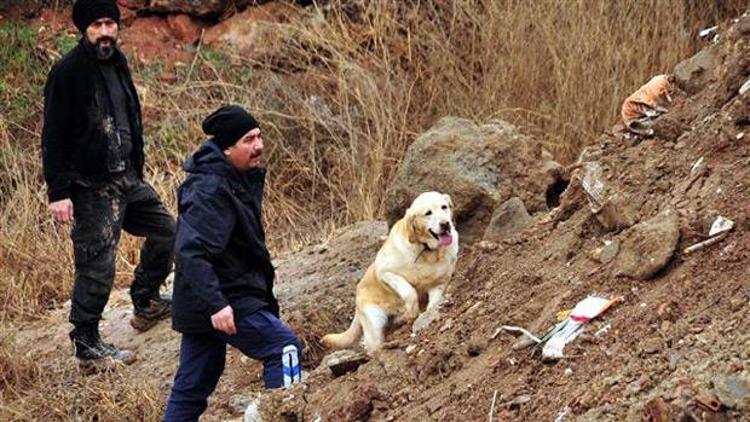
[[101, 213]]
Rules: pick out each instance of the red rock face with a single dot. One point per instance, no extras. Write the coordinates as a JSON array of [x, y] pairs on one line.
[[132, 4], [191, 7], [185, 28], [150, 39]]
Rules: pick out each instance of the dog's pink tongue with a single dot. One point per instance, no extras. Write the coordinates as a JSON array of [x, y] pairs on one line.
[[445, 239]]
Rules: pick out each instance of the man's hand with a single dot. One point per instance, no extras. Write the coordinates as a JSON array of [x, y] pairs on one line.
[[224, 321], [62, 210]]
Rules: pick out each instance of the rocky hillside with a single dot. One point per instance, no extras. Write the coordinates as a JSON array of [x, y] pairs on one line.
[[621, 223]]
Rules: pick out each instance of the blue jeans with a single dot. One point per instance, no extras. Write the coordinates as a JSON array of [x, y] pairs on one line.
[[260, 336]]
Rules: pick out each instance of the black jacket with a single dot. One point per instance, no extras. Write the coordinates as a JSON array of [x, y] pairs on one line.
[[220, 252], [76, 106]]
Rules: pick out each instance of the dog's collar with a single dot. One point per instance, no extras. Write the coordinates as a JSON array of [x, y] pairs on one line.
[[425, 248]]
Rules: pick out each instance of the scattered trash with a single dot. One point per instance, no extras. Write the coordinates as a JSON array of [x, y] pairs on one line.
[[721, 225], [698, 167], [649, 102], [568, 371], [518, 401], [517, 329], [566, 331], [719, 229], [593, 184], [563, 413], [492, 407], [745, 87], [656, 410], [705, 33], [604, 330], [739, 136]]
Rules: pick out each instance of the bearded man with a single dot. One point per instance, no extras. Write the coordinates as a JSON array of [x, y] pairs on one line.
[[92, 150]]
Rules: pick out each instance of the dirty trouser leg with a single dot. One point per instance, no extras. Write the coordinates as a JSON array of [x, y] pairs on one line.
[[95, 234], [146, 216], [202, 358], [263, 337]]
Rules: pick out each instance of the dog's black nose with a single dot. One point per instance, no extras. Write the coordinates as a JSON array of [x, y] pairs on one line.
[[445, 227]]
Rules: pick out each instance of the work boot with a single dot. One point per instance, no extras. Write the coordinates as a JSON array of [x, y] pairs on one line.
[[149, 314], [93, 355]]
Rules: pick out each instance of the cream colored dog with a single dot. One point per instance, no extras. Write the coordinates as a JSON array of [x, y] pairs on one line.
[[416, 260]]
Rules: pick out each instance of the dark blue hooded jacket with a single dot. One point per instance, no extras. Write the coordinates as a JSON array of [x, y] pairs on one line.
[[220, 252]]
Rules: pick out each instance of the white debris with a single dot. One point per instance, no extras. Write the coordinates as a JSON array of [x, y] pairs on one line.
[[720, 225], [745, 87], [705, 33]]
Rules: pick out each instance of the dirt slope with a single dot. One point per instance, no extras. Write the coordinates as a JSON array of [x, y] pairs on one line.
[[675, 335]]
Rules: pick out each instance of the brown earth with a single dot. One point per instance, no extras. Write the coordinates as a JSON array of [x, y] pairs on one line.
[[675, 336]]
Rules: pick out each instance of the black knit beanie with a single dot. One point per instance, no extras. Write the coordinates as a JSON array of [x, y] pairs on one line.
[[87, 11], [228, 124]]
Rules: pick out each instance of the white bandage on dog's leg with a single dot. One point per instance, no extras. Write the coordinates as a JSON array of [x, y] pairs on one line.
[[290, 364]]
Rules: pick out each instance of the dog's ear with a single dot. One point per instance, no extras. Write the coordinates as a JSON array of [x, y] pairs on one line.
[[450, 201], [411, 228]]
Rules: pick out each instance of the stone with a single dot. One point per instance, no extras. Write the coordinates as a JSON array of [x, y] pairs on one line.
[[203, 8], [256, 34], [733, 391], [252, 411], [693, 74], [652, 345], [238, 403], [508, 219], [616, 213], [480, 166], [132, 4], [344, 361], [647, 247], [185, 28]]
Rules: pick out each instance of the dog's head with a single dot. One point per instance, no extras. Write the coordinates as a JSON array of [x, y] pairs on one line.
[[429, 220]]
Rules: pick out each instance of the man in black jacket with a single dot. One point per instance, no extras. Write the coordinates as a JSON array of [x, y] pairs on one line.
[[92, 148], [223, 289]]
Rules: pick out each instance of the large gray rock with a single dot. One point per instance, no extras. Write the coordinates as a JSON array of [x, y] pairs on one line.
[[693, 74], [734, 391], [479, 166], [508, 220], [648, 246], [344, 361]]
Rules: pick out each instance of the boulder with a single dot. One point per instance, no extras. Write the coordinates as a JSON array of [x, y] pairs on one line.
[[733, 391], [203, 8], [648, 246], [693, 74], [254, 34], [508, 219], [185, 28], [480, 166], [132, 4]]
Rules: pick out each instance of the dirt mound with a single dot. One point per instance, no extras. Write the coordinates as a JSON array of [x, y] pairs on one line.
[[677, 344], [675, 340]]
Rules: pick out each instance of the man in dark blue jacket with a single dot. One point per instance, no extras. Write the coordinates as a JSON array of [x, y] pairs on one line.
[[223, 288]]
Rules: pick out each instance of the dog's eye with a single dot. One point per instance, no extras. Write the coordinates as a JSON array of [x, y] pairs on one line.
[[428, 213], [445, 207]]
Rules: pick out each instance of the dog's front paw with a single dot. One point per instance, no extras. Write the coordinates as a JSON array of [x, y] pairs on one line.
[[424, 320]]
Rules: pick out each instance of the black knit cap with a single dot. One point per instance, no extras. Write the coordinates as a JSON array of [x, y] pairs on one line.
[[228, 124], [87, 11]]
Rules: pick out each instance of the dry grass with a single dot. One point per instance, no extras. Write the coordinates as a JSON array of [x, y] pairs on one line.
[[339, 106]]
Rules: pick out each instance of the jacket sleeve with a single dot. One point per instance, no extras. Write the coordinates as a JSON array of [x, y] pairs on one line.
[[57, 117], [205, 225]]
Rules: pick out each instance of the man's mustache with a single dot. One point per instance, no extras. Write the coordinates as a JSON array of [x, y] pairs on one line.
[[105, 38], [256, 153]]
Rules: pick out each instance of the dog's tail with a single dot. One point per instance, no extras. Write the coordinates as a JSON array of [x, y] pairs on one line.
[[346, 340]]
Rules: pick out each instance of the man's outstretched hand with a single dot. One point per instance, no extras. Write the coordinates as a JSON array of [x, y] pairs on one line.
[[62, 210], [224, 321]]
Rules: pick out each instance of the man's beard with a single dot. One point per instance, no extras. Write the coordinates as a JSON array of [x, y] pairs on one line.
[[104, 52]]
